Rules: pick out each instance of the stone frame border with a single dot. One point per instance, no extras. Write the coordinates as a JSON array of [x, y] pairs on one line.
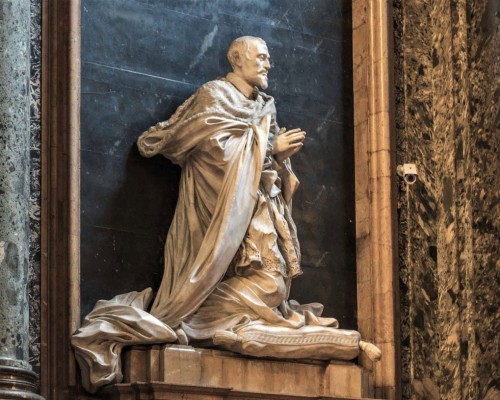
[[375, 193], [60, 212], [375, 190]]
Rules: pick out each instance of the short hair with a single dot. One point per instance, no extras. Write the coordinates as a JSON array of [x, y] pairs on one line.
[[241, 46]]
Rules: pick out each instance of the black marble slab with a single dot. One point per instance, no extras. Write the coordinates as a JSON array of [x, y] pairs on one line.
[[118, 261], [124, 200], [332, 289], [142, 58]]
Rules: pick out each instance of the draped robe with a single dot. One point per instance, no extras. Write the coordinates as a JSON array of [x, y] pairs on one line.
[[220, 139]]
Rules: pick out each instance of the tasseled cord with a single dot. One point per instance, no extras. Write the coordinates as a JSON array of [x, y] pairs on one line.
[[372, 351]]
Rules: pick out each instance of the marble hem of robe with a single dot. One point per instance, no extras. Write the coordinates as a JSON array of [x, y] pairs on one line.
[[110, 326]]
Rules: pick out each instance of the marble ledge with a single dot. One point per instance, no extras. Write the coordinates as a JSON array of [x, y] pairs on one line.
[[158, 390], [184, 372]]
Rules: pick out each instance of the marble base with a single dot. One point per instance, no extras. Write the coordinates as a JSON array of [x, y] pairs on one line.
[[18, 383], [183, 372]]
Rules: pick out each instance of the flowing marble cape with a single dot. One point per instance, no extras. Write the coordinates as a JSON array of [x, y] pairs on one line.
[[219, 137]]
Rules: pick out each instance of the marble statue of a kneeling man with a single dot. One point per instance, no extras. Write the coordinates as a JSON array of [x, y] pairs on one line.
[[232, 251]]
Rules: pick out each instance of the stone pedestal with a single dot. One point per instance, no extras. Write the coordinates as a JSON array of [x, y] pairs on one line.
[[183, 372]]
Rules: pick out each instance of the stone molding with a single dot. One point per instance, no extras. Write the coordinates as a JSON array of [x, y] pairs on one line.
[[375, 190], [18, 383], [169, 368], [60, 214]]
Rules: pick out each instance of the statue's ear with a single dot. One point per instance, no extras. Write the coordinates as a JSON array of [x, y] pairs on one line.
[[236, 59]]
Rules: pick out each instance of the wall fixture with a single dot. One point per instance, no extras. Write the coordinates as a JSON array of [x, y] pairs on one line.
[[408, 172]]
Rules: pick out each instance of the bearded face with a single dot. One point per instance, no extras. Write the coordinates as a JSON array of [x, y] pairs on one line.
[[255, 64]]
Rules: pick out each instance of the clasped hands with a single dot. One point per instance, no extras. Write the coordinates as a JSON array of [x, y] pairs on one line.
[[287, 143]]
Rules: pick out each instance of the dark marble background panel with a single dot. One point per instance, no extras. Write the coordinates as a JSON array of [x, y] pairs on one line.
[[203, 9], [115, 114], [118, 262], [154, 41], [321, 206], [129, 79], [333, 290], [118, 197], [320, 18], [142, 58]]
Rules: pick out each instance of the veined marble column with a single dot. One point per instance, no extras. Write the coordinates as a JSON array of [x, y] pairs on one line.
[[16, 378]]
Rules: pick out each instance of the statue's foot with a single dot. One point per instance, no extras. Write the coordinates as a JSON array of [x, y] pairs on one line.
[[372, 351], [225, 338]]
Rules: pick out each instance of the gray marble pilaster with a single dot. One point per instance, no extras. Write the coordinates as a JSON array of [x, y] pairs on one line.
[[16, 378]]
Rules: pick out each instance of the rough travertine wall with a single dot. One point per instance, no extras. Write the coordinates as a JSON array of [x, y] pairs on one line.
[[446, 54]]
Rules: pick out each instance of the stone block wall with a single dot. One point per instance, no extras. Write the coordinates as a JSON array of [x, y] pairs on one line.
[[447, 80]]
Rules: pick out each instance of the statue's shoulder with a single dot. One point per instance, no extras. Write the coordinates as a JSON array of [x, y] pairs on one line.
[[215, 86], [211, 91], [221, 91]]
